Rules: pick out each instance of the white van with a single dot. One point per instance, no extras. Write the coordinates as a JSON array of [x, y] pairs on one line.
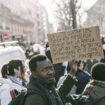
[[6, 54]]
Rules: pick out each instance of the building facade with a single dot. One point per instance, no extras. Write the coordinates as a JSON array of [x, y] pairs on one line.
[[24, 20], [40, 19], [12, 24], [96, 16]]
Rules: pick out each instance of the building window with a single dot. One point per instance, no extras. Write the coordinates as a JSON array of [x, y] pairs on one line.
[[1, 27], [37, 15], [7, 28], [38, 23]]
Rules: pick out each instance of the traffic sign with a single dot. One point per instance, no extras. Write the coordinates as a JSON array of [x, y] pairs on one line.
[[5, 36]]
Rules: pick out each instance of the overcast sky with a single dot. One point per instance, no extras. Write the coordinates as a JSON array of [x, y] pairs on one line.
[[49, 4], [50, 7]]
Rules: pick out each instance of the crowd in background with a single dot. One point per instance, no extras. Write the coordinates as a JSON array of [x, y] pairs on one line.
[[15, 74]]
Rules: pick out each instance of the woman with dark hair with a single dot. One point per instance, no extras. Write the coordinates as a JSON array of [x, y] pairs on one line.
[[11, 83], [8, 70], [82, 76], [4, 70], [97, 85]]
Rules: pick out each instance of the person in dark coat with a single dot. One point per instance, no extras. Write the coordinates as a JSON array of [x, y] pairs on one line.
[[82, 76], [42, 80], [97, 85]]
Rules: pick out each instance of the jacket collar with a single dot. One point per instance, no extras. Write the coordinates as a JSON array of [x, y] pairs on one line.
[[50, 93]]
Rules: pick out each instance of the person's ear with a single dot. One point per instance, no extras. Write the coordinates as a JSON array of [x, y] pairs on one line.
[[35, 74]]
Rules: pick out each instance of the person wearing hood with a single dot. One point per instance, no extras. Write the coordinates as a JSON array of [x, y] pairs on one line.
[[97, 85]]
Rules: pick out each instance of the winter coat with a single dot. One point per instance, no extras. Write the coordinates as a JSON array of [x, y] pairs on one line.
[[97, 93], [83, 78], [63, 90], [8, 85]]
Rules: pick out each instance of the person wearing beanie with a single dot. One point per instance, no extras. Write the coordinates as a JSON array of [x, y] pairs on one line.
[[97, 85], [98, 72]]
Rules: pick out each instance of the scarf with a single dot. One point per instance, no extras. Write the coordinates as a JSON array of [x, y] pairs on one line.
[[15, 80], [49, 91]]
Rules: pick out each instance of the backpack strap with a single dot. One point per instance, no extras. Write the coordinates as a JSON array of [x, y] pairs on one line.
[[89, 90], [12, 94]]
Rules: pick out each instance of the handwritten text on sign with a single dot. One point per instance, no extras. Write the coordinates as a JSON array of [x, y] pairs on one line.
[[76, 44]]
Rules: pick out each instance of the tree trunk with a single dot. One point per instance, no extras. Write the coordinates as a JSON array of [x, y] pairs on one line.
[[73, 11]]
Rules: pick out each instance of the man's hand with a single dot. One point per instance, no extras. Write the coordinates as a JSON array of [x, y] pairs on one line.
[[73, 67]]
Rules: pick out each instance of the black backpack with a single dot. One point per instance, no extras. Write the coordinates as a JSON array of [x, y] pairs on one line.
[[20, 98], [78, 100]]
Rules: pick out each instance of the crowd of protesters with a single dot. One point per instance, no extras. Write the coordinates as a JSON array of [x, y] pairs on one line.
[[40, 74]]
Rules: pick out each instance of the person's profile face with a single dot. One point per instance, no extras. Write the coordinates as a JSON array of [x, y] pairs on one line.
[[81, 66], [18, 72], [45, 72]]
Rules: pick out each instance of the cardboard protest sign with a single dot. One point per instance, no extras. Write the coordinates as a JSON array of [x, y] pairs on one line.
[[79, 44]]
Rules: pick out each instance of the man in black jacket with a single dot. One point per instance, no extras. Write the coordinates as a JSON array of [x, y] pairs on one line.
[[42, 80]]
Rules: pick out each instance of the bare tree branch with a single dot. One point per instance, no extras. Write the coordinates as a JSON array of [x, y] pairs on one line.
[[66, 12]]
